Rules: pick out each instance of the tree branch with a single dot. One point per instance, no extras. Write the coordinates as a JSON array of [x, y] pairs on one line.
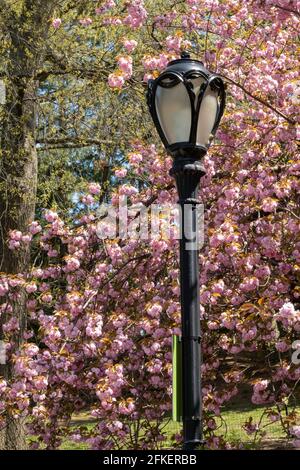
[[260, 100], [72, 142]]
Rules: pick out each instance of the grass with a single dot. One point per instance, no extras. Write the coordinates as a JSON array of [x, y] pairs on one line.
[[234, 419]]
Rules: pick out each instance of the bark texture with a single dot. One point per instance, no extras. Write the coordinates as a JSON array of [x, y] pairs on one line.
[[26, 33]]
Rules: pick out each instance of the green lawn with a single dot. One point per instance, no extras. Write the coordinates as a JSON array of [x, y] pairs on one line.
[[234, 420], [230, 426]]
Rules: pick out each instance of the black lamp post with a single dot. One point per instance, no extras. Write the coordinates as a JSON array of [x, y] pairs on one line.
[[186, 103]]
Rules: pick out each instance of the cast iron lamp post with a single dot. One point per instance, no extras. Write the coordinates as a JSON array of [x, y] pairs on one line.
[[186, 103]]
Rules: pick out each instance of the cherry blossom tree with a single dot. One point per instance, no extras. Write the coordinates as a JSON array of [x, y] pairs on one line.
[[100, 313]]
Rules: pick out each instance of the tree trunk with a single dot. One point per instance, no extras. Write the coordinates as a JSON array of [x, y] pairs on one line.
[[18, 165]]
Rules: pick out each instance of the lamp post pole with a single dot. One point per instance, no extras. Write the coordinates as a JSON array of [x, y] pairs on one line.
[[186, 102], [187, 173]]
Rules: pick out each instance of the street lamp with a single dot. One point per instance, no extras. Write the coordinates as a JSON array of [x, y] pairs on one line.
[[187, 102]]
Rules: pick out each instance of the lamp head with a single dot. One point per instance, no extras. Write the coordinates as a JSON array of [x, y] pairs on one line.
[[186, 103]]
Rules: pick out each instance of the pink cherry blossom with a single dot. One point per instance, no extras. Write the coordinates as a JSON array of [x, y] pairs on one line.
[[116, 81], [282, 346], [121, 173], [72, 264], [86, 21], [31, 287], [108, 5], [130, 44], [94, 188], [125, 65], [51, 216], [269, 205], [56, 23], [155, 310], [35, 228]]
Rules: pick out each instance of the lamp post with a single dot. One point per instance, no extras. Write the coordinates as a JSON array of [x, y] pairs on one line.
[[186, 103]]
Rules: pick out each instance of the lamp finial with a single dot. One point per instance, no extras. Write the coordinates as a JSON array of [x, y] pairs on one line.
[[185, 55]]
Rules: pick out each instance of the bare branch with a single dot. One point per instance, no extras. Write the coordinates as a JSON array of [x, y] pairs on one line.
[[72, 142]]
